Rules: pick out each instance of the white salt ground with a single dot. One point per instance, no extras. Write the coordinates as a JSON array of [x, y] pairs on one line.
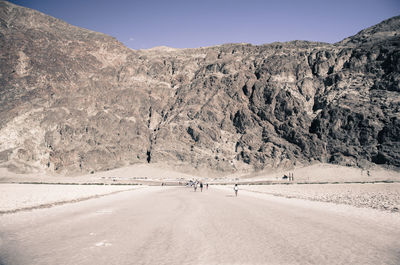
[[14, 197], [383, 196]]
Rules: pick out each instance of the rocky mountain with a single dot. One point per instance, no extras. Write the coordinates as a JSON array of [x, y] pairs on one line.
[[74, 101]]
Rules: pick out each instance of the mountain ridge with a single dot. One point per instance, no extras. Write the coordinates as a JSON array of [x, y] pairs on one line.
[[77, 102]]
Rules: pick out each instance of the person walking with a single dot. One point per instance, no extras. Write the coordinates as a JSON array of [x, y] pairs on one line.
[[201, 186], [195, 186], [236, 188]]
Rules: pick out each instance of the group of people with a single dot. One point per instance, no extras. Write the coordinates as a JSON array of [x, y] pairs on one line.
[[290, 177], [196, 183], [200, 184]]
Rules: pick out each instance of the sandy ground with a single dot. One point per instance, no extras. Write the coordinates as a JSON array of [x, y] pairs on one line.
[[15, 197], [326, 173], [174, 225], [140, 173], [147, 173]]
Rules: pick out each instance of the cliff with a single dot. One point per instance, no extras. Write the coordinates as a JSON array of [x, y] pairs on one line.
[[74, 101]]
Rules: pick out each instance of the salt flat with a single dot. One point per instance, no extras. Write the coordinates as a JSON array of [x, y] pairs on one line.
[[384, 196], [175, 225], [15, 197]]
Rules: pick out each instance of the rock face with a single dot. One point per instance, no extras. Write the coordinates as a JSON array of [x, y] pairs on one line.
[[74, 101]]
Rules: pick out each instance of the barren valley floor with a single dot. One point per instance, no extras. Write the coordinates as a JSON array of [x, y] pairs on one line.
[[174, 225]]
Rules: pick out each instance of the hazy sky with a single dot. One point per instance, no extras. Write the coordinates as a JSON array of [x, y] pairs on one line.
[[199, 23]]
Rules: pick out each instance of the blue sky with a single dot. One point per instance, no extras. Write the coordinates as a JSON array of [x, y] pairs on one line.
[[199, 23]]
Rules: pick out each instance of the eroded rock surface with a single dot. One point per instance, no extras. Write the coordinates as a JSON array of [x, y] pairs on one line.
[[74, 101]]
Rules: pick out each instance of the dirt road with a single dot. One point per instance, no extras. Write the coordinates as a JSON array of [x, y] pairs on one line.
[[174, 225]]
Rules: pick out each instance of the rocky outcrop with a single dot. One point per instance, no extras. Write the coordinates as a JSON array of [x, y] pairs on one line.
[[74, 101]]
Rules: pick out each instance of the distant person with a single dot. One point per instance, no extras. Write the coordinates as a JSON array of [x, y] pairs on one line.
[[206, 185], [201, 186], [236, 188], [195, 186]]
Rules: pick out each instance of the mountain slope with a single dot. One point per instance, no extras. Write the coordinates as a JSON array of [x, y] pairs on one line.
[[74, 101]]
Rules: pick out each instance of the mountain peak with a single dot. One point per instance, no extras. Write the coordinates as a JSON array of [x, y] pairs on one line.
[[388, 28]]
